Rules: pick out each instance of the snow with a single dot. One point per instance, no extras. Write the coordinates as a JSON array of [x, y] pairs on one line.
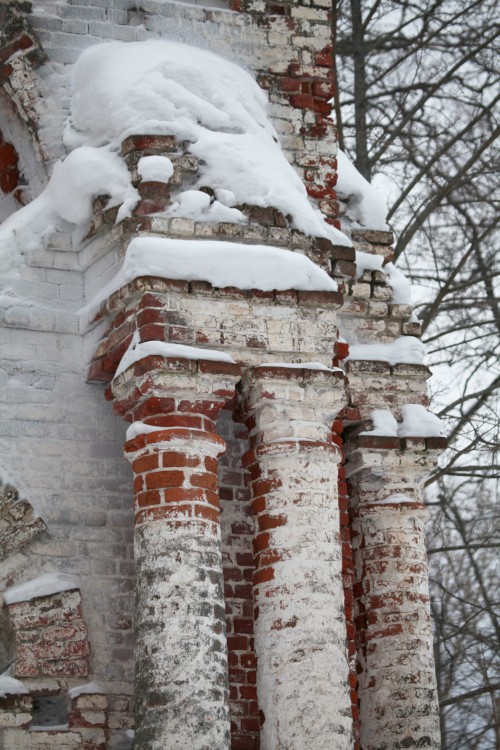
[[138, 351], [162, 87], [196, 205], [220, 263], [405, 349], [75, 182], [49, 728], [367, 262], [396, 499], [90, 688], [44, 585], [155, 168], [401, 286], [11, 686], [141, 428], [384, 423], [418, 422], [170, 88], [367, 207]]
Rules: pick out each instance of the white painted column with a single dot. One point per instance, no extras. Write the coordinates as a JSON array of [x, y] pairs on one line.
[[300, 630]]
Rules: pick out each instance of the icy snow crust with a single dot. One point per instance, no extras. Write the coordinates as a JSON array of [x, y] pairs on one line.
[[220, 263], [138, 351], [90, 688], [417, 422], [160, 87], [44, 585], [11, 686], [367, 207]]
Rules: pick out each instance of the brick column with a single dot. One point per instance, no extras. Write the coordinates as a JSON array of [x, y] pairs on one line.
[[300, 631], [396, 673], [181, 688]]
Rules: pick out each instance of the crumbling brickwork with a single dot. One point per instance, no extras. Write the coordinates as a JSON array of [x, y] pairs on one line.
[[250, 565]]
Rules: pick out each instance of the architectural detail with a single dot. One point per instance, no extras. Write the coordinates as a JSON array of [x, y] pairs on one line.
[[86, 729], [395, 653], [179, 624], [298, 599], [257, 577], [51, 636], [18, 524]]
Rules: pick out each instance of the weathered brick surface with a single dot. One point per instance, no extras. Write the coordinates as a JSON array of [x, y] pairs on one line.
[[87, 725], [18, 525], [300, 629], [279, 326], [397, 683], [63, 448], [180, 639], [51, 636]]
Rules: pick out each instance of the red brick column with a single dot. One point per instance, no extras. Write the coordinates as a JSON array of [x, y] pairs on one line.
[[396, 673], [300, 631], [181, 687], [397, 683]]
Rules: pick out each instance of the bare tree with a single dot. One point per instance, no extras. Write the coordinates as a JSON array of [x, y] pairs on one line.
[[418, 103]]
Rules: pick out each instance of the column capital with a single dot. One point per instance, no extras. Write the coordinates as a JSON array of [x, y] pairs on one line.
[[170, 438], [174, 392], [285, 404], [288, 446]]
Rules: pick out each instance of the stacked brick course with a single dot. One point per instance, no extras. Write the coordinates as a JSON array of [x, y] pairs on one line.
[[281, 597]]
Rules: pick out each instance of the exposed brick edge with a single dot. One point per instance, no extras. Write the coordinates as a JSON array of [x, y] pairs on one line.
[[346, 534], [147, 317]]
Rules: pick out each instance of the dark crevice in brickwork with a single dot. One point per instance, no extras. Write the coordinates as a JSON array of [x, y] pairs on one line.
[[10, 177], [238, 566]]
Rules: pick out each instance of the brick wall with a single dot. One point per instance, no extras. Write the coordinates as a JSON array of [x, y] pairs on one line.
[[61, 446]]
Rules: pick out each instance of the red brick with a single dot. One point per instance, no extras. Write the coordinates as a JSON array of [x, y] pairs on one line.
[[145, 463], [161, 479], [146, 499], [207, 512], [263, 575], [206, 480], [266, 522]]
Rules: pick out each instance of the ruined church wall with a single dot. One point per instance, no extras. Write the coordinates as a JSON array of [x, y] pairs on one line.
[[61, 447], [52, 418]]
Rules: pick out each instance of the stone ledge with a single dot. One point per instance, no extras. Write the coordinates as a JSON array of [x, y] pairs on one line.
[[292, 373], [383, 442], [174, 365], [162, 285], [381, 366]]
